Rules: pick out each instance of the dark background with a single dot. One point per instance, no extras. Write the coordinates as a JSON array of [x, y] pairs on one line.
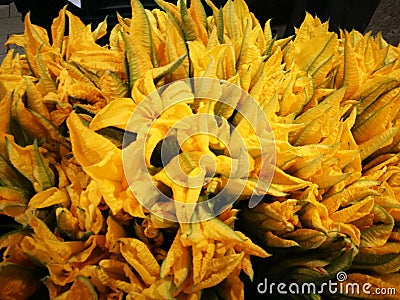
[[362, 15], [387, 19]]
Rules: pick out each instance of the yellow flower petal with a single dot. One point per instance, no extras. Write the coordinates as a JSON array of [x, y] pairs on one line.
[[140, 258]]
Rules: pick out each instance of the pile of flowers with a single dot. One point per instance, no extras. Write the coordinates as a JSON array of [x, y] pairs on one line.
[[328, 202]]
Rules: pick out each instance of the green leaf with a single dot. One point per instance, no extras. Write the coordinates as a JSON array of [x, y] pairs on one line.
[[45, 80], [159, 73], [378, 234], [189, 28], [342, 263], [373, 88], [138, 62], [42, 169], [220, 25], [369, 147], [380, 263], [114, 134], [31, 164], [141, 28], [307, 238]]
